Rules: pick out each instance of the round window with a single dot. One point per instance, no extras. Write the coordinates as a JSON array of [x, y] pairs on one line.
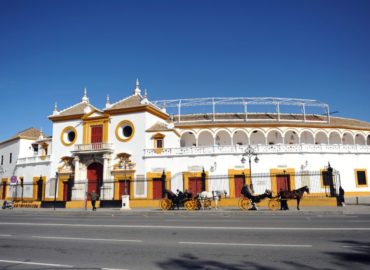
[[124, 131], [69, 136], [127, 131]]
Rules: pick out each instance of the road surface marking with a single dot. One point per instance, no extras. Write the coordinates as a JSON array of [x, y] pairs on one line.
[[5, 235], [356, 246], [186, 227], [37, 263], [85, 239], [245, 244], [113, 269]]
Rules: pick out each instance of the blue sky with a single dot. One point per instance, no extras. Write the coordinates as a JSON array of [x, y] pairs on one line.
[[51, 50]]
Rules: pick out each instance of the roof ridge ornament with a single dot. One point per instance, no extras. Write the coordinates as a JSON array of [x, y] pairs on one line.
[[145, 99], [85, 98], [137, 90], [107, 103], [55, 112]]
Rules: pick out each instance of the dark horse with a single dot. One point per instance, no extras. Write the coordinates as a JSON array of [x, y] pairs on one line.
[[179, 199], [295, 194]]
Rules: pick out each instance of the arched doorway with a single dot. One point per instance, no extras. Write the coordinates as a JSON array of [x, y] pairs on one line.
[[94, 177]]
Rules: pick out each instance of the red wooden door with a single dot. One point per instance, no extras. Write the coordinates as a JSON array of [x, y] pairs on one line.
[[195, 185], [282, 182], [96, 134], [94, 177], [157, 188], [124, 188], [3, 193], [239, 182], [65, 191]]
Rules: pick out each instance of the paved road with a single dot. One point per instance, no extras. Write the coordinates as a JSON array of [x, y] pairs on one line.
[[182, 240]]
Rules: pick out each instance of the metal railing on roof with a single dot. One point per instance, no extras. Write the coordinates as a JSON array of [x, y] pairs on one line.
[[302, 104]]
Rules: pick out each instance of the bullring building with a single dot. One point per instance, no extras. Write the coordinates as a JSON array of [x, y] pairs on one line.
[[139, 148]]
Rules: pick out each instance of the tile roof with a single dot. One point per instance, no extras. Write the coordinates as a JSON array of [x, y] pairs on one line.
[[129, 102], [159, 126], [29, 133]]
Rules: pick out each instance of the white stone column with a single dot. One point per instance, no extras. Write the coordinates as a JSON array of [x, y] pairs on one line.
[[77, 168], [77, 190], [108, 186]]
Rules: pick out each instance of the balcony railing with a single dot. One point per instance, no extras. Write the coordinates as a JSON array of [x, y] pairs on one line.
[[94, 147], [33, 159], [266, 149]]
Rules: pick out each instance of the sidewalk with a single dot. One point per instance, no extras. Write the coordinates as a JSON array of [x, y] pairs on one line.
[[323, 210]]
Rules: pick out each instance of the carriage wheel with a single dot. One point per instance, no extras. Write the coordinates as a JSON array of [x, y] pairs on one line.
[[244, 204], [165, 204], [207, 203], [274, 204], [189, 205]]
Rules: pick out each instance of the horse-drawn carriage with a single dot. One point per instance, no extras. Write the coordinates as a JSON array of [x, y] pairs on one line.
[[250, 199], [172, 200], [185, 199]]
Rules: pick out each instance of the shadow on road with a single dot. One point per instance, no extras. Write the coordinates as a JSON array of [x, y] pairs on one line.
[[355, 252]]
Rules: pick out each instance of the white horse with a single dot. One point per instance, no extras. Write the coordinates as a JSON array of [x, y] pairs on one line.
[[215, 196]]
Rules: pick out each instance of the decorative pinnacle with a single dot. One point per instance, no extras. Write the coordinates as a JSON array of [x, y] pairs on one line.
[[85, 98], [107, 102], [137, 89], [55, 107]]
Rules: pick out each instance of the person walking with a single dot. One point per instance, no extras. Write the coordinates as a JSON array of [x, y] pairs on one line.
[[94, 197], [341, 196]]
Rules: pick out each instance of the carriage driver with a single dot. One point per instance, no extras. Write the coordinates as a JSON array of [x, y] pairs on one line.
[[247, 191]]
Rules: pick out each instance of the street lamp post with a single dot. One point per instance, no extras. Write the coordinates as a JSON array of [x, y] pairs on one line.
[[249, 153]]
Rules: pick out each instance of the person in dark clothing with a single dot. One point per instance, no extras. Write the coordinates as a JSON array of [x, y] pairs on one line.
[[283, 201], [94, 197], [341, 196]]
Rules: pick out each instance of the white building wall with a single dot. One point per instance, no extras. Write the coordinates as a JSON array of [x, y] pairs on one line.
[[60, 150], [11, 147], [218, 165]]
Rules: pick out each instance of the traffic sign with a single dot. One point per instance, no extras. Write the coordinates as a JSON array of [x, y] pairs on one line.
[[13, 180]]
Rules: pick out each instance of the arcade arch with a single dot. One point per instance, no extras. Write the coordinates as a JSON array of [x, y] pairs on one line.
[[321, 138], [223, 138], [348, 138], [188, 139], [274, 137], [334, 138], [291, 137], [240, 138], [257, 137], [205, 138], [307, 137]]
